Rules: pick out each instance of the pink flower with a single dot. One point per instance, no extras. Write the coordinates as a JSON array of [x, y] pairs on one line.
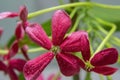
[[8, 64], [8, 67], [99, 61], [61, 48], [22, 14]]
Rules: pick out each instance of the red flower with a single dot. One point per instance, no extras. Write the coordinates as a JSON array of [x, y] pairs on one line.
[[7, 64], [68, 63], [99, 61]]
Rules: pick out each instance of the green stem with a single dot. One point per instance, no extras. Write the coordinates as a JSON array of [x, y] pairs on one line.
[[3, 52], [116, 40], [88, 4], [101, 77], [109, 77], [77, 22], [88, 76], [73, 12], [113, 28], [76, 77]]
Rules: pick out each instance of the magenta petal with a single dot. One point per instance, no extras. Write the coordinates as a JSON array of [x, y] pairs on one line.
[[77, 41], [23, 13], [3, 67], [24, 50], [60, 24], [1, 31], [40, 77], [12, 74], [34, 67], [17, 64], [105, 57], [19, 32], [4, 15], [105, 70], [12, 51], [68, 63], [37, 34]]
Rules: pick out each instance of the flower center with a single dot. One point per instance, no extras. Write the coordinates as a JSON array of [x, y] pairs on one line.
[[88, 66], [55, 49]]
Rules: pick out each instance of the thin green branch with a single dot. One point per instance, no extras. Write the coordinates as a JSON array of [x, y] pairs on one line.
[[113, 29], [101, 77], [77, 4], [116, 40], [3, 52], [77, 22], [73, 12]]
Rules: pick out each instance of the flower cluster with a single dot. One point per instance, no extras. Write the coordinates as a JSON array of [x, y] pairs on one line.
[[62, 47]]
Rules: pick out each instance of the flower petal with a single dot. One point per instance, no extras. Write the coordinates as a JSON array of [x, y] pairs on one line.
[[105, 57], [4, 15], [12, 51], [40, 77], [37, 34], [12, 74], [17, 64], [68, 63], [34, 67], [24, 50], [19, 32], [3, 67], [105, 70], [60, 24], [77, 41], [23, 13]]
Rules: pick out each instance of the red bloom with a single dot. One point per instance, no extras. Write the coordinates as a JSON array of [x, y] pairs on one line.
[[99, 61], [7, 64], [59, 47]]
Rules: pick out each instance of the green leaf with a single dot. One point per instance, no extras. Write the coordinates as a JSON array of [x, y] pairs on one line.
[[111, 15], [47, 26], [21, 77], [10, 41]]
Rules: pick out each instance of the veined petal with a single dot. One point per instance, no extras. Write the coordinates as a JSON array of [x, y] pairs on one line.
[[23, 13], [77, 41], [3, 67], [105, 57], [34, 67], [37, 34], [68, 63], [4, 15], [12, 74], [17, 64], [60, 24], [12, 51], [19, 32], [105, 70]]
